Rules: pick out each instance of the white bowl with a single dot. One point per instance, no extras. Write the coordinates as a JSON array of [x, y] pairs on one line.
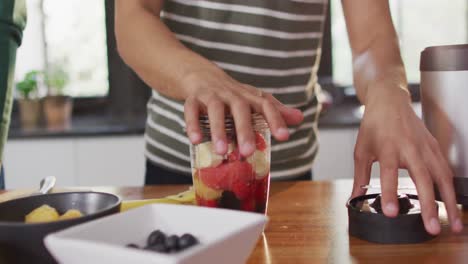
[[226, 236]]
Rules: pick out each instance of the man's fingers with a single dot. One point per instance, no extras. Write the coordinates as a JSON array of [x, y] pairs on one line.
[[424, 186], [443, 177], [191, 110], [216, 116], [241, 113], [270, 112], [290, 115], [389, 183], [275, 121], [362, 170]]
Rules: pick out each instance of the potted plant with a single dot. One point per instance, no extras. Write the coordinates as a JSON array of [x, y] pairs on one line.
[[57, 105], [29, 104]]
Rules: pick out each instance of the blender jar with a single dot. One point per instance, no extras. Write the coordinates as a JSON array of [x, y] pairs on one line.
[[232, 181]]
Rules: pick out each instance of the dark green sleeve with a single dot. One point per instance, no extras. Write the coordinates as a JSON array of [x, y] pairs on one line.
[[12, 22]]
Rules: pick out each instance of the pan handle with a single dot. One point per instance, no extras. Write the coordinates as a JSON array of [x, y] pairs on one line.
[[47, 184]]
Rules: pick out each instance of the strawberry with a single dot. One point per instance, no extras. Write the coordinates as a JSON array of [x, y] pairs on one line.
[[204, 191], [206, 203], [234, 155], [261, 190], [242, 189], [248, 204], [260, 141]]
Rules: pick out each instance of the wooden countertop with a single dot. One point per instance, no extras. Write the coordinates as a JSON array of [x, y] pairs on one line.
[[309, 224]]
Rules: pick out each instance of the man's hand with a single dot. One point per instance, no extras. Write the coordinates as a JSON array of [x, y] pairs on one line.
[[213, 92], [393, 135]]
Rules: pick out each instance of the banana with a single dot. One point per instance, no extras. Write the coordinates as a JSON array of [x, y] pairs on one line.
[[42, 214], [260, 164], [204, 191], [231, 147], [205, 157], [183, 197], [70, 214], [187, 197]]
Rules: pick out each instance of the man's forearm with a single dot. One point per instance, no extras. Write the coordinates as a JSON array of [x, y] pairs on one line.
[[152, 50], [377, 61], [379, 67]]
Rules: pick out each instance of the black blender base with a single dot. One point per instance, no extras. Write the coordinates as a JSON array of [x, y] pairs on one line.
[[377, 228]]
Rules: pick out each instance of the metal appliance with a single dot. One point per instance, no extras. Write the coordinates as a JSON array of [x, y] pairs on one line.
[[444, 98]]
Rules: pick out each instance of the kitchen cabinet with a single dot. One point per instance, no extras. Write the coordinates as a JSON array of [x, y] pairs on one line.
[[75, 161], [335, 156], [28, 161], [112, 161]]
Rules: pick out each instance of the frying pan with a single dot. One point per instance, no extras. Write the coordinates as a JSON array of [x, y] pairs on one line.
[[23, 243]]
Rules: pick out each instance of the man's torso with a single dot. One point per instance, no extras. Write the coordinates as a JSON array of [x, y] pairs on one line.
[[272, 45]]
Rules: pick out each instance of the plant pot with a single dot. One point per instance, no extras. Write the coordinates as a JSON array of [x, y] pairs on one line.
[[58, 110], [30, 113]]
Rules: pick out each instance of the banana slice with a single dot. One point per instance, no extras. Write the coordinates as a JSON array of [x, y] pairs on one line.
[[71, 214], [205, 157], [204, 191], [260, 163], [42, 214], [231, 147]]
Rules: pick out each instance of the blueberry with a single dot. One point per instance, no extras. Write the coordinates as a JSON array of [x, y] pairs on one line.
[[161, 248], [131, 245], [229, 200], [172, 243], [187, 240], [156, 237]]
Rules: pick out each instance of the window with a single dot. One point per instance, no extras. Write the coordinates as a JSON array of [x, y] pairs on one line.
[[419, 23], [69, 34]]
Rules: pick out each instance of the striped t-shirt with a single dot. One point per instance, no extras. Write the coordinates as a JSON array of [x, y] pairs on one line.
[[273, 45]]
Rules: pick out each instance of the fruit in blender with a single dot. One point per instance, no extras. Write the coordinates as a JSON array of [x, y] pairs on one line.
[[204, 191], [260, 164], [260, 142], [229, 200], [205, 157], [232, 182]]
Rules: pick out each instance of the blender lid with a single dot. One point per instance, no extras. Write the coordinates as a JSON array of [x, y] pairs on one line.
[[445, 58], [369, 224]]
